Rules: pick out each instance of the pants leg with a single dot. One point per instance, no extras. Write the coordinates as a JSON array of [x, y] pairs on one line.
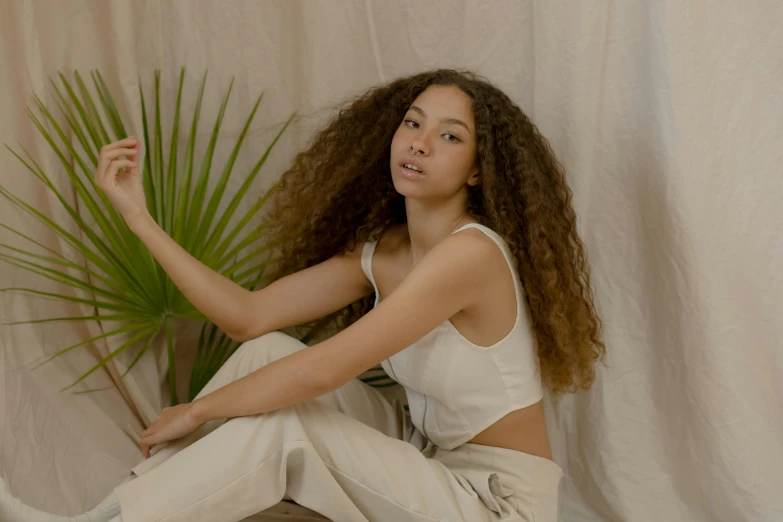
[[355, 398], [355, 467]]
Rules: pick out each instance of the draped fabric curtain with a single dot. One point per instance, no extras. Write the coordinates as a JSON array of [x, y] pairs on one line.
[[667, 115]]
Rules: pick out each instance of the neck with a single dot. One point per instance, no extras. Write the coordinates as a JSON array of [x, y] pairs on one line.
[[429, 223]]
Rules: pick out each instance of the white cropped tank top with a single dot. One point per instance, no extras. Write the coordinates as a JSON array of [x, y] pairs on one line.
[[455, 388]]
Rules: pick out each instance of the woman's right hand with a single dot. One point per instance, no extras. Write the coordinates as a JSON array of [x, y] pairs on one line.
[[125, 191]]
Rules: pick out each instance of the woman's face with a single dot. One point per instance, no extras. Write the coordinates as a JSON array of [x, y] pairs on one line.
[[439, 125]]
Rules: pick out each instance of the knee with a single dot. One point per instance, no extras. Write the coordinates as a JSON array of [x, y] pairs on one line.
[[267, 348]]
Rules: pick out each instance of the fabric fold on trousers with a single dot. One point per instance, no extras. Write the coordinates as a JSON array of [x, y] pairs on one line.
[[351, 455]]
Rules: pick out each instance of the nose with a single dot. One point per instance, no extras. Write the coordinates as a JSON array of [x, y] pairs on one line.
[[418, 146]]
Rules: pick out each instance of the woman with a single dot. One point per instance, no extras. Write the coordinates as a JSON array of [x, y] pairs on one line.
[[436, 195]]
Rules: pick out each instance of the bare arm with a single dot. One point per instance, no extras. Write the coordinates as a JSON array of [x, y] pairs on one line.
[[306, 295], [295, 299], [216, 296], [242, 314], [447, 280]]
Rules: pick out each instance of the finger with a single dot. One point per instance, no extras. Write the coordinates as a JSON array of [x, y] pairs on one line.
[[103, 160], [127, 142], [108, 158], [126, 151], [148, 441], [116, 165]]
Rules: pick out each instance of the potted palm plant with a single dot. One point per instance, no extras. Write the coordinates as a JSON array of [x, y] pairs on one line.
[[117, 276]]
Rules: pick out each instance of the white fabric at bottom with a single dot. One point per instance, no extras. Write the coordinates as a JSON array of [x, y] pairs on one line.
[[352, 455]]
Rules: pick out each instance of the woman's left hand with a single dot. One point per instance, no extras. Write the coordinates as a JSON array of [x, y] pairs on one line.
[[172, 423]]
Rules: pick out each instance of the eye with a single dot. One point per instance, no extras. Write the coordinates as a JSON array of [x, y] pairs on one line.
[[414, 125]]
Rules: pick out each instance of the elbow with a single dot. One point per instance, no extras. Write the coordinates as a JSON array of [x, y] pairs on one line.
[[249, 333], [238, 337], [239, 323], [240, 332], [243, 330], [247, 325], [236, 332]]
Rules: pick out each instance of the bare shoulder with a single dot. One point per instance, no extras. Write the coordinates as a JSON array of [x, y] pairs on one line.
[[467, 247], [473, 250], [457, 275]]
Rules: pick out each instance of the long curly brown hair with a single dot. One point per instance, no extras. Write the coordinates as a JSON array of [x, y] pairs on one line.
[[338, 193]]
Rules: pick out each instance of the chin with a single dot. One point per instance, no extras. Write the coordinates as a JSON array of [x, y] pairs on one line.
[[406, 187]]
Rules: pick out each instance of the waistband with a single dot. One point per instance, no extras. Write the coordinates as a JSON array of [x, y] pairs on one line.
[[497, 473]]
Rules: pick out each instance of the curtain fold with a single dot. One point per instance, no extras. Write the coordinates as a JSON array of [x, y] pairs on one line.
[[667, 116]]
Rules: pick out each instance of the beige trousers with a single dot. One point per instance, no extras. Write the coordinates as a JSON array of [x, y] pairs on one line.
[[351, 455]]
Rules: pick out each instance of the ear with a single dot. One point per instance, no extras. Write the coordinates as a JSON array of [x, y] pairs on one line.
[[475, 179]]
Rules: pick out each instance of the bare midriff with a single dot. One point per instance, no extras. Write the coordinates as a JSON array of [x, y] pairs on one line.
[[521, 430]]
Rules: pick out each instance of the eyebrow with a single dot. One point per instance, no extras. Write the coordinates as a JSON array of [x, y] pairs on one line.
[[453, 121]]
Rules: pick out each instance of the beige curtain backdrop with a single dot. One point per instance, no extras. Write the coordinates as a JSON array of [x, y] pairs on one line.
[[667, 115]]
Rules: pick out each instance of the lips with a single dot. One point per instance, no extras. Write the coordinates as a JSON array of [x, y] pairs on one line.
[[413, 162]]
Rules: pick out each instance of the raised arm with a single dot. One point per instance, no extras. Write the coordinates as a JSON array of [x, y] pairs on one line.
[[295, 299], [298, 298]]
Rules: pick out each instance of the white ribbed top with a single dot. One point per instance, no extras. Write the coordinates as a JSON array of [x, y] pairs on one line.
[[455, 388]]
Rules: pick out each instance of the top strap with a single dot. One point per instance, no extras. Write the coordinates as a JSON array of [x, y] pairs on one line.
[[501, 243], [367, 252]]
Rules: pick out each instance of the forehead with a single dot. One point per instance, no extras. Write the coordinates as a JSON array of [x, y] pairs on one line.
[[446, 101]]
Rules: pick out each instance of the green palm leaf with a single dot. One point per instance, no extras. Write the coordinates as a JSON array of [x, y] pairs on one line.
[[109, 269]]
